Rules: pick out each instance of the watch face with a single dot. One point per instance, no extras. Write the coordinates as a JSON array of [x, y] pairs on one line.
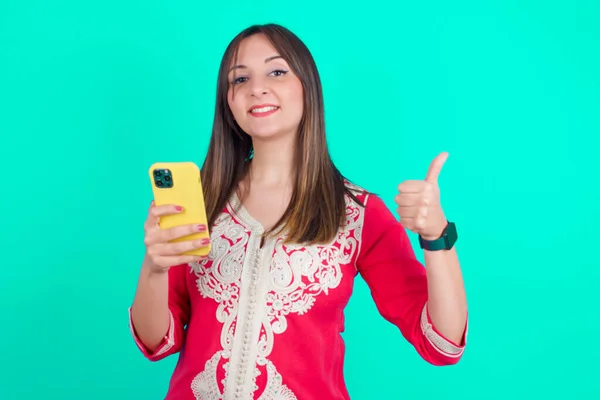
[[451, 233]]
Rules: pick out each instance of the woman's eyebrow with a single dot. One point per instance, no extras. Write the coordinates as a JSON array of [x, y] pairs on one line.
[[241, 66]]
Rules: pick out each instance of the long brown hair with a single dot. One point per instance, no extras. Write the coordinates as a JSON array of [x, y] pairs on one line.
[[317, 207]]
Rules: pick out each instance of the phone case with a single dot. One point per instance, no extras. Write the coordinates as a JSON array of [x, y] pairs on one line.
[[180, 183]]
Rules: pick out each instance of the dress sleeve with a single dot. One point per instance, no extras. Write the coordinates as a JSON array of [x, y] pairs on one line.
[[179, 309], [398, 284]]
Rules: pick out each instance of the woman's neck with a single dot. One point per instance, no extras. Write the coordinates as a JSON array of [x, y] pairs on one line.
[[273, 163]]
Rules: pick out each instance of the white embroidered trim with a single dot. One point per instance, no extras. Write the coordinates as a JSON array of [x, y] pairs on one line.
[[170, 338], [205, 385], [438, 342]]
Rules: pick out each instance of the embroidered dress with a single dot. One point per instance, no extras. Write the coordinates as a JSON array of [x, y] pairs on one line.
[[264, 323]]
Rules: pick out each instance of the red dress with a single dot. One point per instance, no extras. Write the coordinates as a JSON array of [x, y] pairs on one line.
[[264, 323]]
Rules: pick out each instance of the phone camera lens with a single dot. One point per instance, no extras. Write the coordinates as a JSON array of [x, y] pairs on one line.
[[159, 184], [167, 178]]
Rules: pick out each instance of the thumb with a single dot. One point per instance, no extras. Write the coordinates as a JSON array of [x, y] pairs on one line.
[[435, 167]]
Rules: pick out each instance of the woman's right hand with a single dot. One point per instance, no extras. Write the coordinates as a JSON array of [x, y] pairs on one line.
[[162, 255]]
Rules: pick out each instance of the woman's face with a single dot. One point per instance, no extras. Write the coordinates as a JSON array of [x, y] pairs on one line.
[[264, 95]]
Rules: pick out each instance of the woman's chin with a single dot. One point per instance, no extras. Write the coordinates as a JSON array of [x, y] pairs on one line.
[[268, 134]]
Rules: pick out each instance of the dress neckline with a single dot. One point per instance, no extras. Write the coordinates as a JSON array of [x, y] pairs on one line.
[[237, 208]]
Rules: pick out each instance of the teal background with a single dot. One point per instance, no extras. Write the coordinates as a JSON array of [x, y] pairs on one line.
[[91, 93]]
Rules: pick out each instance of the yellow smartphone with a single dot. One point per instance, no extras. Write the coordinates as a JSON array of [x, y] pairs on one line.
[[180, 183]]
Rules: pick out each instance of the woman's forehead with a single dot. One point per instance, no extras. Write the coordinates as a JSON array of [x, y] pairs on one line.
[[254, 49]]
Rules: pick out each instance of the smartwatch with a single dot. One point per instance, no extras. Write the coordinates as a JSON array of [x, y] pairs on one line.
[[444, 242]]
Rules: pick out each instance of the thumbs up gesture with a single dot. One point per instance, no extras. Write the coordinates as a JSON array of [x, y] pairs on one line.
[[419, 205]]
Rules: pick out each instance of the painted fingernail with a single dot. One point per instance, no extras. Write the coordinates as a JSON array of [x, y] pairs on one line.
[[205, 241], [179, 208], [201, 227]]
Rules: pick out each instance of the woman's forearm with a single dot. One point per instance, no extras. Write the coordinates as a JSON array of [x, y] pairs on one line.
[[150, 309], [447, 303]]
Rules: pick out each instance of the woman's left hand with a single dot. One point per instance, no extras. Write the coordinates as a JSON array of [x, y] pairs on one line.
[[419, 205]]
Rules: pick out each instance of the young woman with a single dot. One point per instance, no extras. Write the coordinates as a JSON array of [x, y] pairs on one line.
[[261, 316]]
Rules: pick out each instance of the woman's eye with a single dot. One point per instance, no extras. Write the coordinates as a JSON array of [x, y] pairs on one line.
[[239, 79], [279, 72]]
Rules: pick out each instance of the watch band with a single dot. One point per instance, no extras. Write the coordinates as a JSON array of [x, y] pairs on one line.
[[444, 242]]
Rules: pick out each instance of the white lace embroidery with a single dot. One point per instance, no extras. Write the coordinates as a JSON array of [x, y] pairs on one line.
[[221, 281], [297, 275], [275, 389], [438, 342], [204, 385]]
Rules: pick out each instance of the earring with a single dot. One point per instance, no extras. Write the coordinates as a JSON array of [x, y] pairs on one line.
[[250, 154]]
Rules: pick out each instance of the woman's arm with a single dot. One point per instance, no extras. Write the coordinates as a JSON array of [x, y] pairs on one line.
[[160, 312], [150, 313], [446, 304], [420, 211], [399, 285], [161, 306]]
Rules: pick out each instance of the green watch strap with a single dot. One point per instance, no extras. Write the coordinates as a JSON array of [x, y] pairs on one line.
[[444, 242]]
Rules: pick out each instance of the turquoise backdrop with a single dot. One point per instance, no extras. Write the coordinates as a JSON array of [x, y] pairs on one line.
[[91, 93]]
